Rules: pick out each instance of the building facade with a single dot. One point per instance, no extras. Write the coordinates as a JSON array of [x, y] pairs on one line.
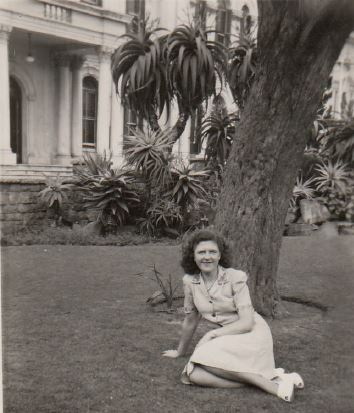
[[57, 98]]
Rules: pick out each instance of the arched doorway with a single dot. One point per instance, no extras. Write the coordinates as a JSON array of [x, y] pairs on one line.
[[16, 119]]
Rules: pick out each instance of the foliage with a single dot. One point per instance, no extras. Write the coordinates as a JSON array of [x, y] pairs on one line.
[[148, 152], [331, 177], [242, 62], [193, 65], [302, 190], [187, 185], [54, 195], [94, 164], [106, 191], [138, 63], [219, 132], [167, 287], [67, 236], [338, 142], [149, 71], [163, 216]]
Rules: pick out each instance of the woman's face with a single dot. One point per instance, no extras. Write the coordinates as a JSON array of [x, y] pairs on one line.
[[207, 256]]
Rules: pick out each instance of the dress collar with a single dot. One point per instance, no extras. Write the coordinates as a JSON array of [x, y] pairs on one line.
[[221, 280]]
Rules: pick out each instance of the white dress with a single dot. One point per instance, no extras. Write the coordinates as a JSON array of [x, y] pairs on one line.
[[250, 352]]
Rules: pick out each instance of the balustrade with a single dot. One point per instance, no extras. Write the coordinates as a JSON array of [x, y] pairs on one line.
[[55, 12]]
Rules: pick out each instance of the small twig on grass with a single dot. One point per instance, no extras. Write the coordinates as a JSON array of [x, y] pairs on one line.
[[167, 289]]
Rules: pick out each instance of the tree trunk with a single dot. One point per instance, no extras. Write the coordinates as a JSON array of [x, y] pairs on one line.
[[180, 124], [297, 51], [153, 122]]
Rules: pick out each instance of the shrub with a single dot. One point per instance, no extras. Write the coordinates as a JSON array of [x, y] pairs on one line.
[[54, 195], [332, 186], [164, 216], [106, 191], [218, 131]]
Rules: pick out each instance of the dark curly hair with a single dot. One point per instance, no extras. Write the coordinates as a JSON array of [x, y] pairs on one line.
[[190, 243]]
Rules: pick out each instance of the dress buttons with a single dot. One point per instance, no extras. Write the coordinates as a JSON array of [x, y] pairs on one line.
[[211, 302], [213, 315]]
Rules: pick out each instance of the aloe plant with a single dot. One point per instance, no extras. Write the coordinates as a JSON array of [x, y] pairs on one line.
[[110, 196], [187, 187], [331, 177], [139, 74], [163, 215], [150, 71], [303, 189], [106, 191], [218, 131], [193, 65], [54, 195], [241, 68], [149, 153]]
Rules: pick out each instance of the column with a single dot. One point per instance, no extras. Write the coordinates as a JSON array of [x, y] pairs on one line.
[[76, 121], [104, 100], [7, 157], [117, 128], [63, 155]]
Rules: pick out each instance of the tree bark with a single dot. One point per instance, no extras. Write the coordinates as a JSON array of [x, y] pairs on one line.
[[179, 126], [297, 51]]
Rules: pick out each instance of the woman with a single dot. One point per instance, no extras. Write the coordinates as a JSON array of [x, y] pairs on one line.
[[239, 349]]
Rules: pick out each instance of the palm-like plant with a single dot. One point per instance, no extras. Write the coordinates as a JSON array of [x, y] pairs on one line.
[[153, 70], [55, 194], [302, 190], [111, 197], [138, 63], [187, 186], [149, 153], [340, 143], [164, 215], [93, 165], [331, 177], [218, 131], [193, 65], [241, 68], [108, 192]]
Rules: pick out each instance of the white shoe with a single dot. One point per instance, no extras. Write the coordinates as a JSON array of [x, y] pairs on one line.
[[286, 389], [297, 379]]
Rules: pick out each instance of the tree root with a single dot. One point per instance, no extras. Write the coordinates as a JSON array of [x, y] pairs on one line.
[[306, 302]]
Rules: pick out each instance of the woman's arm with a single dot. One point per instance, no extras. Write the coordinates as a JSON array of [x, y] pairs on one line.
[[189, 326], [244, 324]]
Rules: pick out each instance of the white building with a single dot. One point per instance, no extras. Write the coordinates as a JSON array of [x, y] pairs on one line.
[[342, 101], [57, 95]]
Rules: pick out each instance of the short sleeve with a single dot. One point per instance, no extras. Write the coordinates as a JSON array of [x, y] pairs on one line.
[[240, 291], [189, 306]]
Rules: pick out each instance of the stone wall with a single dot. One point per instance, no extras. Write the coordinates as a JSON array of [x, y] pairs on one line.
[[19, 204]]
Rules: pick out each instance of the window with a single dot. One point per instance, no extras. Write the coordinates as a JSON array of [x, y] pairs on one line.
[[223, 23], [131, 122], [89, 112], [93, 2], [200, 14], [137, 9]]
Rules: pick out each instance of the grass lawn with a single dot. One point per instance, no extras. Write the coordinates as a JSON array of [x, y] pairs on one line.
[[78, 336]]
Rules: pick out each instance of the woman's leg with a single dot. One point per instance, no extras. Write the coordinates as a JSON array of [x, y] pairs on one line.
[[267, 385], [202, 377]]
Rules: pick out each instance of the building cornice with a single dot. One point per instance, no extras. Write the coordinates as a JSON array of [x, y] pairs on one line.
[[65, 30], [90, 9]]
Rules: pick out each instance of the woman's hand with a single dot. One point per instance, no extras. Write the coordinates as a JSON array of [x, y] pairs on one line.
[[210, 335], [173, 354]]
